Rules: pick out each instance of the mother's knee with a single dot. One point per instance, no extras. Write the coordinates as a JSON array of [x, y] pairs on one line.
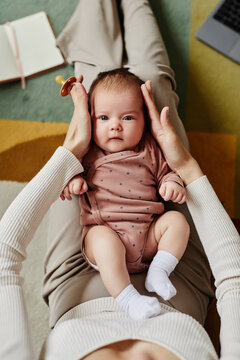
[[159, 74]]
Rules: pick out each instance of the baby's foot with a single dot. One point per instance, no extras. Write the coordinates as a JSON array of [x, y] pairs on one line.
[[142, 307], [157, 279], [158, 282], [138, 307]]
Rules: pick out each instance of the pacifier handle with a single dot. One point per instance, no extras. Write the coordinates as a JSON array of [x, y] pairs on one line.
[[66, 84]]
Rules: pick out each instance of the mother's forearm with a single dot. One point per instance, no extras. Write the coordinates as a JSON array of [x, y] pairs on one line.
[[17, 227], [23, 216], [216, 230], [221, 243]]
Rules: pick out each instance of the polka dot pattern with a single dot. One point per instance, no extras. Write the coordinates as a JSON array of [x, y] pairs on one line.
[[124, 194]]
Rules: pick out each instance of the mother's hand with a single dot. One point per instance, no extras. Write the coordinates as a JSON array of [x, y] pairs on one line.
[[79, 132], [176, 155]]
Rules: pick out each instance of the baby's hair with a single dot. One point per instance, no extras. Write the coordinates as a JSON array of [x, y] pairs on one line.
[[117, 79]]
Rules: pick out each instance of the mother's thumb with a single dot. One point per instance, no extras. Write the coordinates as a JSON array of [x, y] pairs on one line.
[[78, 86]]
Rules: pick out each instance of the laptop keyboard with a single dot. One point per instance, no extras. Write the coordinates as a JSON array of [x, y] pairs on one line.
[[229, 14]]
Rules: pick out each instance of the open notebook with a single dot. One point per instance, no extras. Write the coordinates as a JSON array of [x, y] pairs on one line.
[[28, 48]]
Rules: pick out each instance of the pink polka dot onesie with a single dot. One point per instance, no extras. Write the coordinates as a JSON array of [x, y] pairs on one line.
[[123, 193]]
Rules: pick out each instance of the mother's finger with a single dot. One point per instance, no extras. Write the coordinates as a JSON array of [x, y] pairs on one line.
[[155, 124], [149, 88], [80, 78], [148, 98], [147, 95]]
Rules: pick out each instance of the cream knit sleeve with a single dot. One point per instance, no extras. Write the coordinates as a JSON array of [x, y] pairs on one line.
[[17, 228], [221, 243]]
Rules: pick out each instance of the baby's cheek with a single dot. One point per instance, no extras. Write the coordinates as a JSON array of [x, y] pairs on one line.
[[97, 135]]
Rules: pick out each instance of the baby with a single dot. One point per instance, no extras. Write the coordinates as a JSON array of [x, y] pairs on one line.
[[126, 179]]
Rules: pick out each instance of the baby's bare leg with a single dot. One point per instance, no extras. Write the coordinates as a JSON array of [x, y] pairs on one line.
[[104, 248], [170, 232], [169, 237]]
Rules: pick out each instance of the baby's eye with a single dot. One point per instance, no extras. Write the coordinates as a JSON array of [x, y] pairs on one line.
[[103, 117], [127, 117]]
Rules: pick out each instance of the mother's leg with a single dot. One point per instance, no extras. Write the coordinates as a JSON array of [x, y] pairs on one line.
[[92, 41], [147, 58], [68, 279]]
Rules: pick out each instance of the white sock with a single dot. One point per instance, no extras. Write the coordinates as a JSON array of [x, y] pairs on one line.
[[157, 278], [138, 307]]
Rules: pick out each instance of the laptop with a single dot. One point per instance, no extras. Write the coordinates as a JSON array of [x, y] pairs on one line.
[[221, 30]]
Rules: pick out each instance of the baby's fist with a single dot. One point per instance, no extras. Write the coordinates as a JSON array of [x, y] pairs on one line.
[[173, 191], [77, 186]]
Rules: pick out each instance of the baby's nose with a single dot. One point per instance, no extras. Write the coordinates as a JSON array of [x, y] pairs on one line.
[[116, 125]]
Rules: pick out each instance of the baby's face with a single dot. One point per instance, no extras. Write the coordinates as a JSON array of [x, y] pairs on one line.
[[117, 118]]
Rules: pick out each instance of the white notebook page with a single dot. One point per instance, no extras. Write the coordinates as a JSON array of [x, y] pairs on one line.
[[8, 65], [36, 44]]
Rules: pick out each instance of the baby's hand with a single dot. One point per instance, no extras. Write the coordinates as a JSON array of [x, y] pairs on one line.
[[172, 191], [77, 186]]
